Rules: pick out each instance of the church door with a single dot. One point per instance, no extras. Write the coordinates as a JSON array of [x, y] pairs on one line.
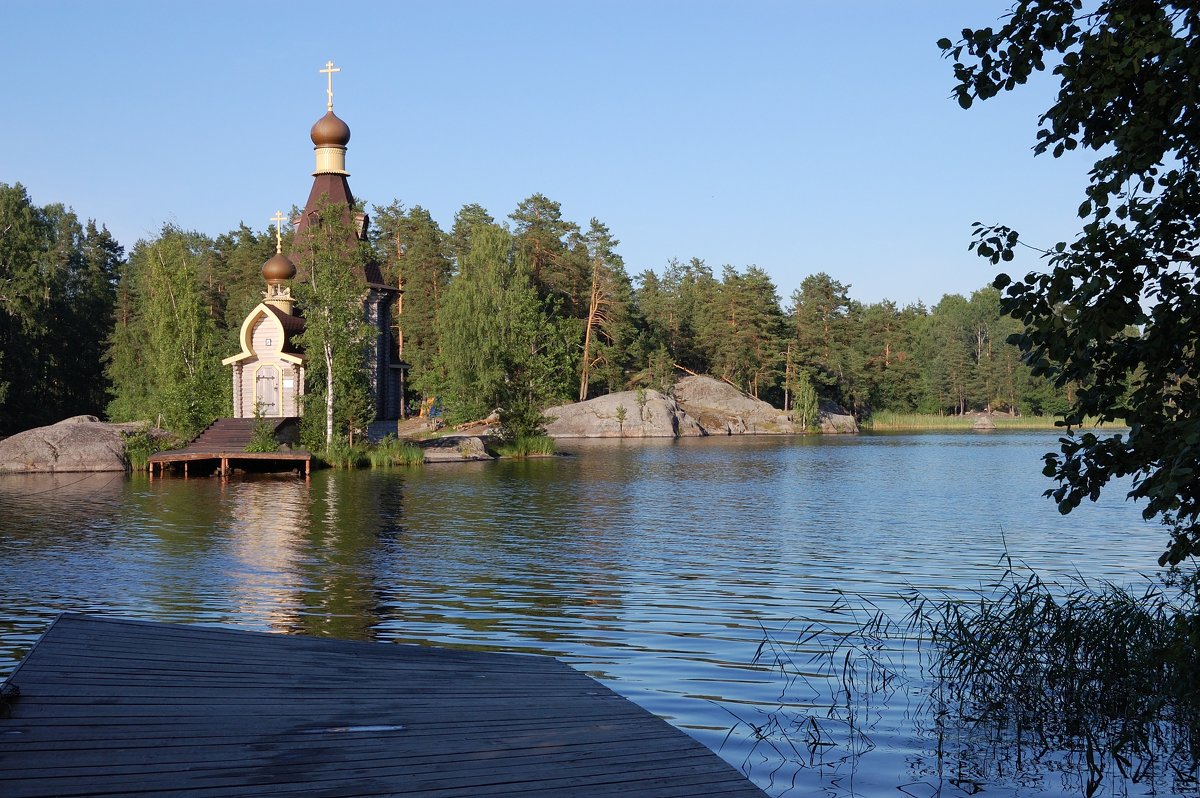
[[266, 390]]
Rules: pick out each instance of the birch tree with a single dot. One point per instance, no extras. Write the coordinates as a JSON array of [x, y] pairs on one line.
[[335, 333]]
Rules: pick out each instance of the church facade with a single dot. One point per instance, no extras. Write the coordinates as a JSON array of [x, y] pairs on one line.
[[268, 374]]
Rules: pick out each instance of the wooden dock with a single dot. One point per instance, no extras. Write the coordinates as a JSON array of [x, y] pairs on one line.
[[222, 445], [131, 708]]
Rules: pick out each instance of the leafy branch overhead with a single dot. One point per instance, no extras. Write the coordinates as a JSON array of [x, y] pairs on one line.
[[1116, 311]]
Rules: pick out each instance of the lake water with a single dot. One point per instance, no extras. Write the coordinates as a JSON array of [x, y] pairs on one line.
[[659, 567]]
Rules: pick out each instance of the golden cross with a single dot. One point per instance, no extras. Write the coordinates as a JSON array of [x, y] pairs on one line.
[[329, 70], [278, 220]]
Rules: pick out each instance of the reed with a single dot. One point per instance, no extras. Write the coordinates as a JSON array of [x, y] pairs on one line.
[[527, 446], [392, 452], [1106, 670], [342, 454], [1087, 680], [886, 420]]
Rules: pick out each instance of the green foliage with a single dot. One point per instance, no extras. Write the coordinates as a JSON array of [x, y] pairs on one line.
[[556, 271], [165, 353], [501, 346], [466, 220], [822, 314], [393, 452], [1115, 313], [57, 288], [262, 436], [340, 453], [893, 421], [744, 330], [805, 407], [608, 331], [520, 415], [676, 309], [335, 334], [527, 446], [416, 259], [1096, 668], [141, 443]]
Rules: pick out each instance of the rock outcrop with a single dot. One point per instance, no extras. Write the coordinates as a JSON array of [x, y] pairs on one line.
[[722, 409], [984, 422], [82, 443], [628, 414], [833, 419]]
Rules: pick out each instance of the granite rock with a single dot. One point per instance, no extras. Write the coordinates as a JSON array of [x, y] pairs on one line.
[[626, 414]]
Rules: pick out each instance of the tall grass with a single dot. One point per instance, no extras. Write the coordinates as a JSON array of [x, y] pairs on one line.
[[392, 452], [527, 446], [885, 420], [342, 454]]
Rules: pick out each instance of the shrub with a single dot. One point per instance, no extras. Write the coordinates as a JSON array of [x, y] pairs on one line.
[[262, 437], [142, 443]]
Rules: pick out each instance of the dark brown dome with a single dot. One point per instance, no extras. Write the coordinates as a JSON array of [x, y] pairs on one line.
[[329, 131], [278, 268]]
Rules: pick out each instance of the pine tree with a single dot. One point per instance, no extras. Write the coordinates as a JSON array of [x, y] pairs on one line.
[[608, 329], [541, 243], [465, 221], [499, 347], [414, 257]]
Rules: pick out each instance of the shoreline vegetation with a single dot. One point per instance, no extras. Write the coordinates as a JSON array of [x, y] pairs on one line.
[[392, 452], [886, 421]]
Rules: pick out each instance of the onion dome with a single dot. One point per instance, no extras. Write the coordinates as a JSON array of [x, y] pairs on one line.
[[278, 268], [330, 131]]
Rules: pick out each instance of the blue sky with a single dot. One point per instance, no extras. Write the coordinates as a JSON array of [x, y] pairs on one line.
[[796, 136]]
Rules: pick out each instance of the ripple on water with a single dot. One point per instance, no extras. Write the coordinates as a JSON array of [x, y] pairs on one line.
[[658, 567]]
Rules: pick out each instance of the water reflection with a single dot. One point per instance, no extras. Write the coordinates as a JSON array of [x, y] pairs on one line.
[[656, 566]]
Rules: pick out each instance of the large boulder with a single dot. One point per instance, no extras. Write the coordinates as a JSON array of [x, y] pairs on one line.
[[833, 419], [628, 414], [724, 410], [82, 443], [454, 449]]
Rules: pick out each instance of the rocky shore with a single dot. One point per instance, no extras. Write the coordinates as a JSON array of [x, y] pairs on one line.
[[80, 443], [700, 406]]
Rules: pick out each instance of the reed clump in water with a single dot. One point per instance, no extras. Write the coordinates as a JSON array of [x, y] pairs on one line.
[[526, 446], [1108, 675], [393, 452], [1091, 681]]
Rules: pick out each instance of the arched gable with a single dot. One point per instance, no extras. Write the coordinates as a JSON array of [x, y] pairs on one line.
[[262, 314]]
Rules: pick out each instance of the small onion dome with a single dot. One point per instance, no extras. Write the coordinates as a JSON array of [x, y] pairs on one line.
[[329, 131], [278, 268]]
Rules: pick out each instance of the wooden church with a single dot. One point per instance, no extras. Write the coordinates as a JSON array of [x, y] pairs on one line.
[[268, 374]]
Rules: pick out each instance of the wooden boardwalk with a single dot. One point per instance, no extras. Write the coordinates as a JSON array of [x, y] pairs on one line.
[[131, 708]]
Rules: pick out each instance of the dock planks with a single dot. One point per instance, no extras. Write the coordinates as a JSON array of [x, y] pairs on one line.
[[132, 708], [223, 443]]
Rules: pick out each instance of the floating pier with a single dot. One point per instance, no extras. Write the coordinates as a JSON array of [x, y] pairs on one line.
[[132, 708]]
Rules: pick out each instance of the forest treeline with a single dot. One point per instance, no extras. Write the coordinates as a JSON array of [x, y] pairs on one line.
[[523, 312]]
